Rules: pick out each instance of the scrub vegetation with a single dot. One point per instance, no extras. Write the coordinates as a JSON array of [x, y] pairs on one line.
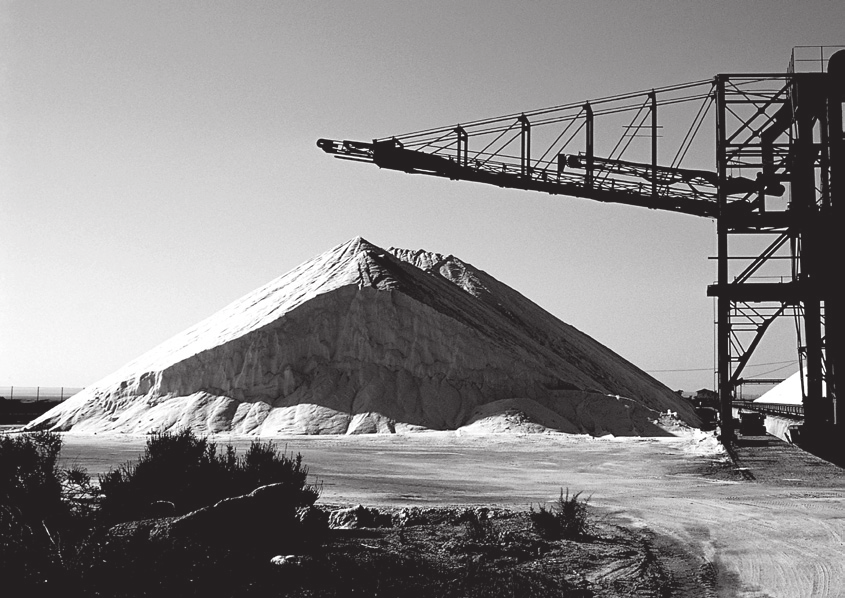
[[57, 528], [182, 472]]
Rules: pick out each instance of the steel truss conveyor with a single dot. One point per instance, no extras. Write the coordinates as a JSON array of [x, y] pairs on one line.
[[777, 186]]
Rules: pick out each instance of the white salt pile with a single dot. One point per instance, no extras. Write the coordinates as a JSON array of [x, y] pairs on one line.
[[364, 340], [788, 392]]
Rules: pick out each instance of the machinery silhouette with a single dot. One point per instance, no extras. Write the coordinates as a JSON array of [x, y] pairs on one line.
[[776, 194]]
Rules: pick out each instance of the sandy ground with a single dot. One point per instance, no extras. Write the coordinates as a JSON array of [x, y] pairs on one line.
[[780, 533]]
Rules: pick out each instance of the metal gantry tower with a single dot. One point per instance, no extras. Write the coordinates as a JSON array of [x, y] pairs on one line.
[[776, 195], [784, 130]]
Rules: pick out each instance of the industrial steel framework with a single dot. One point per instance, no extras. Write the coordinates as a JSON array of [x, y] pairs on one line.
[[785, 130], [776, 195]]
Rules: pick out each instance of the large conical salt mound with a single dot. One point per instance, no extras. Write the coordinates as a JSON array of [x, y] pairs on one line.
[[362, 340]]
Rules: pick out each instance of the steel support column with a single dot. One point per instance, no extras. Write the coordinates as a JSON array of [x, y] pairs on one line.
[[653, 97], [834, 224], [723, 303], [806, 217], [590, 151], [525, 143]]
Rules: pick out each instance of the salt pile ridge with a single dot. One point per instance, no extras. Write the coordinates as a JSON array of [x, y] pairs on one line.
[[364, 340]]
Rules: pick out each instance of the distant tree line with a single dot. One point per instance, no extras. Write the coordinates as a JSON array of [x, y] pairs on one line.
[[15, 411]]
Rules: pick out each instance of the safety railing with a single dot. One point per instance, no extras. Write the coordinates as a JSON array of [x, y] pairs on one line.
[[772, 408]]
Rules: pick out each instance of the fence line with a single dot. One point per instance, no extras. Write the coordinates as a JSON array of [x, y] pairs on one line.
[[38, 393]]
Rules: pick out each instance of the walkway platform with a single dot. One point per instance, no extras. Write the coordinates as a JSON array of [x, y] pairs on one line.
[[768, 459]]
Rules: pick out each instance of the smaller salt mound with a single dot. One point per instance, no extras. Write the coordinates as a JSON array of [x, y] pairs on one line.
[[572, 412], [516, 415]]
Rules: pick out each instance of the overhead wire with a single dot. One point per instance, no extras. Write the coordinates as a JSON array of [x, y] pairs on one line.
[[569, 106], [757, 365]]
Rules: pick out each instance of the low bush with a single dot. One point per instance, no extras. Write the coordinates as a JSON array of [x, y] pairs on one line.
[[187, 472], [32, 510], [30, 481], [567, 518]]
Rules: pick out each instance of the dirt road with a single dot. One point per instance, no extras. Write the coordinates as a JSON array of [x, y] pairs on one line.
[[774, 531]]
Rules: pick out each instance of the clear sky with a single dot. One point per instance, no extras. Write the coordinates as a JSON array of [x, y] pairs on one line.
[[158, 161]]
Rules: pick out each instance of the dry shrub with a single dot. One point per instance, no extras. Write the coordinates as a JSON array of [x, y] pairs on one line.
[[567, 518]]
